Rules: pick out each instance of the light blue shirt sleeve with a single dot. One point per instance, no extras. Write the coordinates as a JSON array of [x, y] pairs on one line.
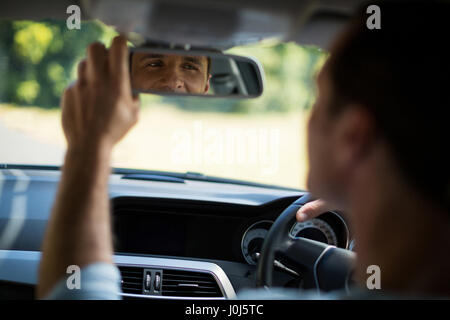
[[98, 281]]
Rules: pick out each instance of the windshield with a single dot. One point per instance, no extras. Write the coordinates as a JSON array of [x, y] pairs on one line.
[[259, 140]]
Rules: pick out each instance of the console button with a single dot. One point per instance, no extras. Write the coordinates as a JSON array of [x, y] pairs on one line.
[[157, 281], [147, 281]]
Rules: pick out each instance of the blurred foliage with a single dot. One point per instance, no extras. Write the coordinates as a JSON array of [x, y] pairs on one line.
[[289, 72], [39, 59]]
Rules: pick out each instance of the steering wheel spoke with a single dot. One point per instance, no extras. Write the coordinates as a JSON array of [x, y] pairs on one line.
[[301, 253]]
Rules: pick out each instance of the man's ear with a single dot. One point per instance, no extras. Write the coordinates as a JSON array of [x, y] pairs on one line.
[[354, 136], [207, 84]]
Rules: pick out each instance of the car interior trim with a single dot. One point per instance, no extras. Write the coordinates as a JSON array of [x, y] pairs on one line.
[[21, 267]]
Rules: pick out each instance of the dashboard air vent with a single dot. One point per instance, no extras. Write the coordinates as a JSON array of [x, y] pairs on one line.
[[175, 283], [132, 279], [178, 283]]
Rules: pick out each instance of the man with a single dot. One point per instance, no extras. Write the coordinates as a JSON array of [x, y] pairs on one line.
[[170, 73], [377, 140], [377, 146]]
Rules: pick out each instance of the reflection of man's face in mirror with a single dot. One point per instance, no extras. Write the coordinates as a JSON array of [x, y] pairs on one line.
[[170, 73]]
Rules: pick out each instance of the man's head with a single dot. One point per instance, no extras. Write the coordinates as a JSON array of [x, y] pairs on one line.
[[387, 90], [170, 73]]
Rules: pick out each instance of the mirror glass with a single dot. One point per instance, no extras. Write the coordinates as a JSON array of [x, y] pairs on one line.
[[196, 73]]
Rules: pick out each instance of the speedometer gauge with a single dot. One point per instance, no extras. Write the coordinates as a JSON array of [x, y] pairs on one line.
[[253, 240], [314, 229]]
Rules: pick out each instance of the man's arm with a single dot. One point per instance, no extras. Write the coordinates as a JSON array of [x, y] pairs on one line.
[[96, 113]]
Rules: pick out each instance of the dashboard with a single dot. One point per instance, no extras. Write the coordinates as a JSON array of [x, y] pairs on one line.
[[210, 230], [172, 240]]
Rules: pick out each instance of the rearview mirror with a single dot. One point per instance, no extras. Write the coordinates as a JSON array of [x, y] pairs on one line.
[[194, 73]]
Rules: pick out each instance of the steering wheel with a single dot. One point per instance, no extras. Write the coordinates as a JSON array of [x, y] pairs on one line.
[[322, 266]]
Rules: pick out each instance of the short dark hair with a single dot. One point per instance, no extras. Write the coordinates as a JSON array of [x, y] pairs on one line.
[[400, 74]]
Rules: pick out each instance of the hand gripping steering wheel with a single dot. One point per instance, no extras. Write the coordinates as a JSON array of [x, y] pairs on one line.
[[322, 266]]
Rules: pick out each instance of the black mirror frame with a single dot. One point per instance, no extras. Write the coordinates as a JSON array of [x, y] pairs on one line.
[[198, 52]]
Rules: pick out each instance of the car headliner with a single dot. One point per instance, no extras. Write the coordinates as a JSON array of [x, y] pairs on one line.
[[218, 24]]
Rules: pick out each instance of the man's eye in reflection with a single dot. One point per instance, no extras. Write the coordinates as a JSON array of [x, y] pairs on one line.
[[154, 64], [190, 67]]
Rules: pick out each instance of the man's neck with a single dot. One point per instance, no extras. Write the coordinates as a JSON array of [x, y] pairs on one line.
[[400, 231]]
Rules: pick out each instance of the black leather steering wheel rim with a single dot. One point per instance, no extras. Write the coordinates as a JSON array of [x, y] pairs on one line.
[[322, 266]]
